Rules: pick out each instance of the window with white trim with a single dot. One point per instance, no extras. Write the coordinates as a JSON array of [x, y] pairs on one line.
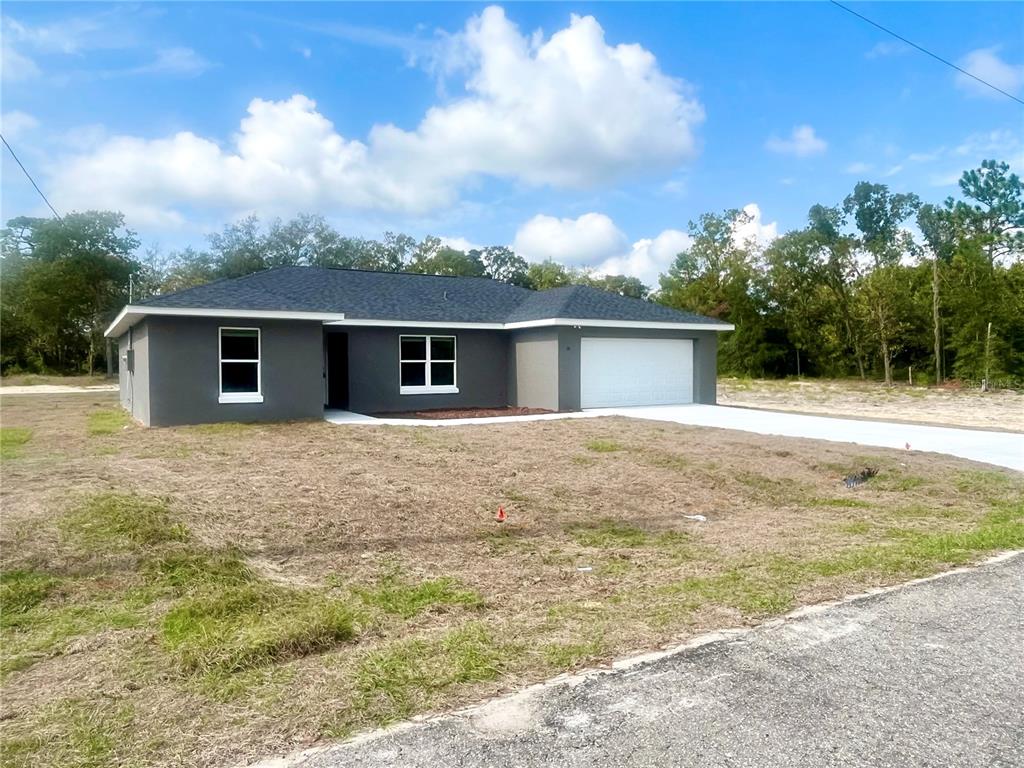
[[426, 365], [240, 366]]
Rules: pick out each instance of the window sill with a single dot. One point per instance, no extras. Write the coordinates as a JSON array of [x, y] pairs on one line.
[[449, 390], [240, 397]]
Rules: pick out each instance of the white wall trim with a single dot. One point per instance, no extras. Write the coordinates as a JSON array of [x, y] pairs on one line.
[[642, 324], [135, 312], [415, 324]]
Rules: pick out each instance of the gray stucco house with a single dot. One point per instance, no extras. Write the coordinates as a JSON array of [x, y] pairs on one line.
[[290, 342]]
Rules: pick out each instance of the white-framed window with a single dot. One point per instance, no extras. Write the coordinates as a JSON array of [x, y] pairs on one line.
[[240, 375], [426, 365]]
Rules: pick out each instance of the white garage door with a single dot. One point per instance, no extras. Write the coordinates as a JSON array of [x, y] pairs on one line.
[[617, 372]]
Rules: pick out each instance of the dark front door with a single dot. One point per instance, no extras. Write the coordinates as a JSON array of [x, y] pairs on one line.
[[337, 370]]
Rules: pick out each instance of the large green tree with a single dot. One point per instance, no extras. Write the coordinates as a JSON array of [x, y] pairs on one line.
[[63, 280]]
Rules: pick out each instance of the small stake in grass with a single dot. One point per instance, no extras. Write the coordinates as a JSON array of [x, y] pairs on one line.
[[500, 517]]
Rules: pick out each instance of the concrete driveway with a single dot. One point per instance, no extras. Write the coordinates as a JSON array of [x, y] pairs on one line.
[[931, 674], [1004, 449]]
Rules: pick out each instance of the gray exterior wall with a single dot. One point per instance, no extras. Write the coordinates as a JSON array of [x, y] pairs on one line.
[[134, 384], [373, 383], [533, 371], [184, 370], [176, 369]]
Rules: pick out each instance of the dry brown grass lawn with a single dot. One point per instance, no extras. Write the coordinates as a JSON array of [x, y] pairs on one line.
[[206, 595], [950, 405]]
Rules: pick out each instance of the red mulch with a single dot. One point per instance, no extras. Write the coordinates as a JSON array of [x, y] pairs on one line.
[[464, 413]]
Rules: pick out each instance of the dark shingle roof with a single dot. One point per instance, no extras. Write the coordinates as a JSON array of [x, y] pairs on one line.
[[403, 296], [585, 303]]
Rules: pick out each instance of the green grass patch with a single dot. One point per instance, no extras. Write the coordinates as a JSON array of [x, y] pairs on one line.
[[566, 656], [242, 627], [748, 592], [839, 503], [23, 590], [12, 440], [604, 446], [400, 598], [858, 528], [615, 534], [193, 571], [108, 421], [46, 629], [609, 534], [121, 522], [896, 481], [665, 459], [411, 675], [74, 733]]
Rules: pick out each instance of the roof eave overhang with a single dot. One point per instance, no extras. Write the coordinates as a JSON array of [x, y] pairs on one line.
[[132, 314]]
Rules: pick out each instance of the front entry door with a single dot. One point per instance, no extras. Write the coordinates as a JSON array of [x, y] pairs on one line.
[[336, 370]]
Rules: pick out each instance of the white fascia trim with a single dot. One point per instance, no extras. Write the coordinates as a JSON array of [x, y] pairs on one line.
[[539, 324], [132, 313], [417, 324], [641, 324]]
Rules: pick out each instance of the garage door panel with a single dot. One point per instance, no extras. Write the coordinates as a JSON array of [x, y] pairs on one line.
[[618, 372]]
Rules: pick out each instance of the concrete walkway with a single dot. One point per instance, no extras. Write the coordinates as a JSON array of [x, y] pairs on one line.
[[930, 674], [1004, 449]]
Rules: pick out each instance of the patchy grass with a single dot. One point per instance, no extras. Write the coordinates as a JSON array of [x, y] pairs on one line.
[[75, 733], [23, 590], [604, 446], [397, 597], [209, 596], [12, 439], [839, 503], [240, 627], [112, 521], [413, 675], [108, 421], [562, 656], [223, 428]]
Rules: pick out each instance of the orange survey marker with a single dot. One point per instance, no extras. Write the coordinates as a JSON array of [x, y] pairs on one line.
[[500, 517]]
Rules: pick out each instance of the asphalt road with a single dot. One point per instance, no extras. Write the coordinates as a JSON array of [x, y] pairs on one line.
[[927, 675]]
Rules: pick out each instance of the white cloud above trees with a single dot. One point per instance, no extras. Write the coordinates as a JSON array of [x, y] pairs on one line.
[[536, 111], [802, 142], [987, 64]]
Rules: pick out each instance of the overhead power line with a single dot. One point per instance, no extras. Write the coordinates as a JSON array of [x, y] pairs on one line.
[[29, 177], [948, 63]]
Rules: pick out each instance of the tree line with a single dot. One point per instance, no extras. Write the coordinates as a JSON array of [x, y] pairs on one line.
[[856, 291]]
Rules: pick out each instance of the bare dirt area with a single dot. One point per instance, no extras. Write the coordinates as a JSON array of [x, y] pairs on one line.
[[209, 595], [946, 405], [464, 413]]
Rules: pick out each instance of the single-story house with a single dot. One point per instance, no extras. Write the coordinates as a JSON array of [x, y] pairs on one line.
[[290, 342]]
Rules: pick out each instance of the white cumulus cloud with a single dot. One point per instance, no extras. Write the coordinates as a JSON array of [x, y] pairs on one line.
[[16, 124], [585, 241], [648, 257], [567, 111], [754, 229], [802, 142], [987, 64]]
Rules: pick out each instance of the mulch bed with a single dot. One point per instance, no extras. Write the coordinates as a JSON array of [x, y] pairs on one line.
[[463, 413]]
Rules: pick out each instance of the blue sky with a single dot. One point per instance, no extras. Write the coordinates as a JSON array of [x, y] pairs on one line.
[[587, 132]]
